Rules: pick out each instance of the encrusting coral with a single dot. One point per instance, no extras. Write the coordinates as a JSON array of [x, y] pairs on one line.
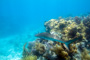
[[66, 29], [85, 54], [30, 57], [86, 22], [69, 29], [73, 48], [39, 47], [59, 50]]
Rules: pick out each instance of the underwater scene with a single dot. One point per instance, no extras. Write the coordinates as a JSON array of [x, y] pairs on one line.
[[44, 29]]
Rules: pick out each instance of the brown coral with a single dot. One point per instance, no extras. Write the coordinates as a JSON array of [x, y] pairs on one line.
[[85, 55], [39, 47], [73, 48], [30, 57], [60, 52], [68, 28]]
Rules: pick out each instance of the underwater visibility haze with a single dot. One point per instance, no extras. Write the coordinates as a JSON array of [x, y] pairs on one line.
[[44, 29]]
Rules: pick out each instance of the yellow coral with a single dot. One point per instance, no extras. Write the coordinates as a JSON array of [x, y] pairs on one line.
[[60, 52], [31, 57], [66, 28], [82, 28], [73, 48], [62, 21], [39, 47], [85, 55]]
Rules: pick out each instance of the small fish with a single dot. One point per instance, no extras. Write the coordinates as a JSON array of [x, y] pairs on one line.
[[52, 37]]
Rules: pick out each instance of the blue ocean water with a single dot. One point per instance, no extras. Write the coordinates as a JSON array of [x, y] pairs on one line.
[[20, 20]]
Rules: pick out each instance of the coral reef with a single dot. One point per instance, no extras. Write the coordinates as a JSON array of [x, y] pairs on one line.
[[39, 47], [30, 58], [69, 29], [86, 22], [77, 20], [85, 54], [59, 50], [66, 29]]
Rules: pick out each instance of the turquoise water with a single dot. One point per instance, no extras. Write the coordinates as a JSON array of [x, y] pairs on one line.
[[20, 20]]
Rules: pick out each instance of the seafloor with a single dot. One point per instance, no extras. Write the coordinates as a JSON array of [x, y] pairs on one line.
[[11, 47], [48, 47]]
